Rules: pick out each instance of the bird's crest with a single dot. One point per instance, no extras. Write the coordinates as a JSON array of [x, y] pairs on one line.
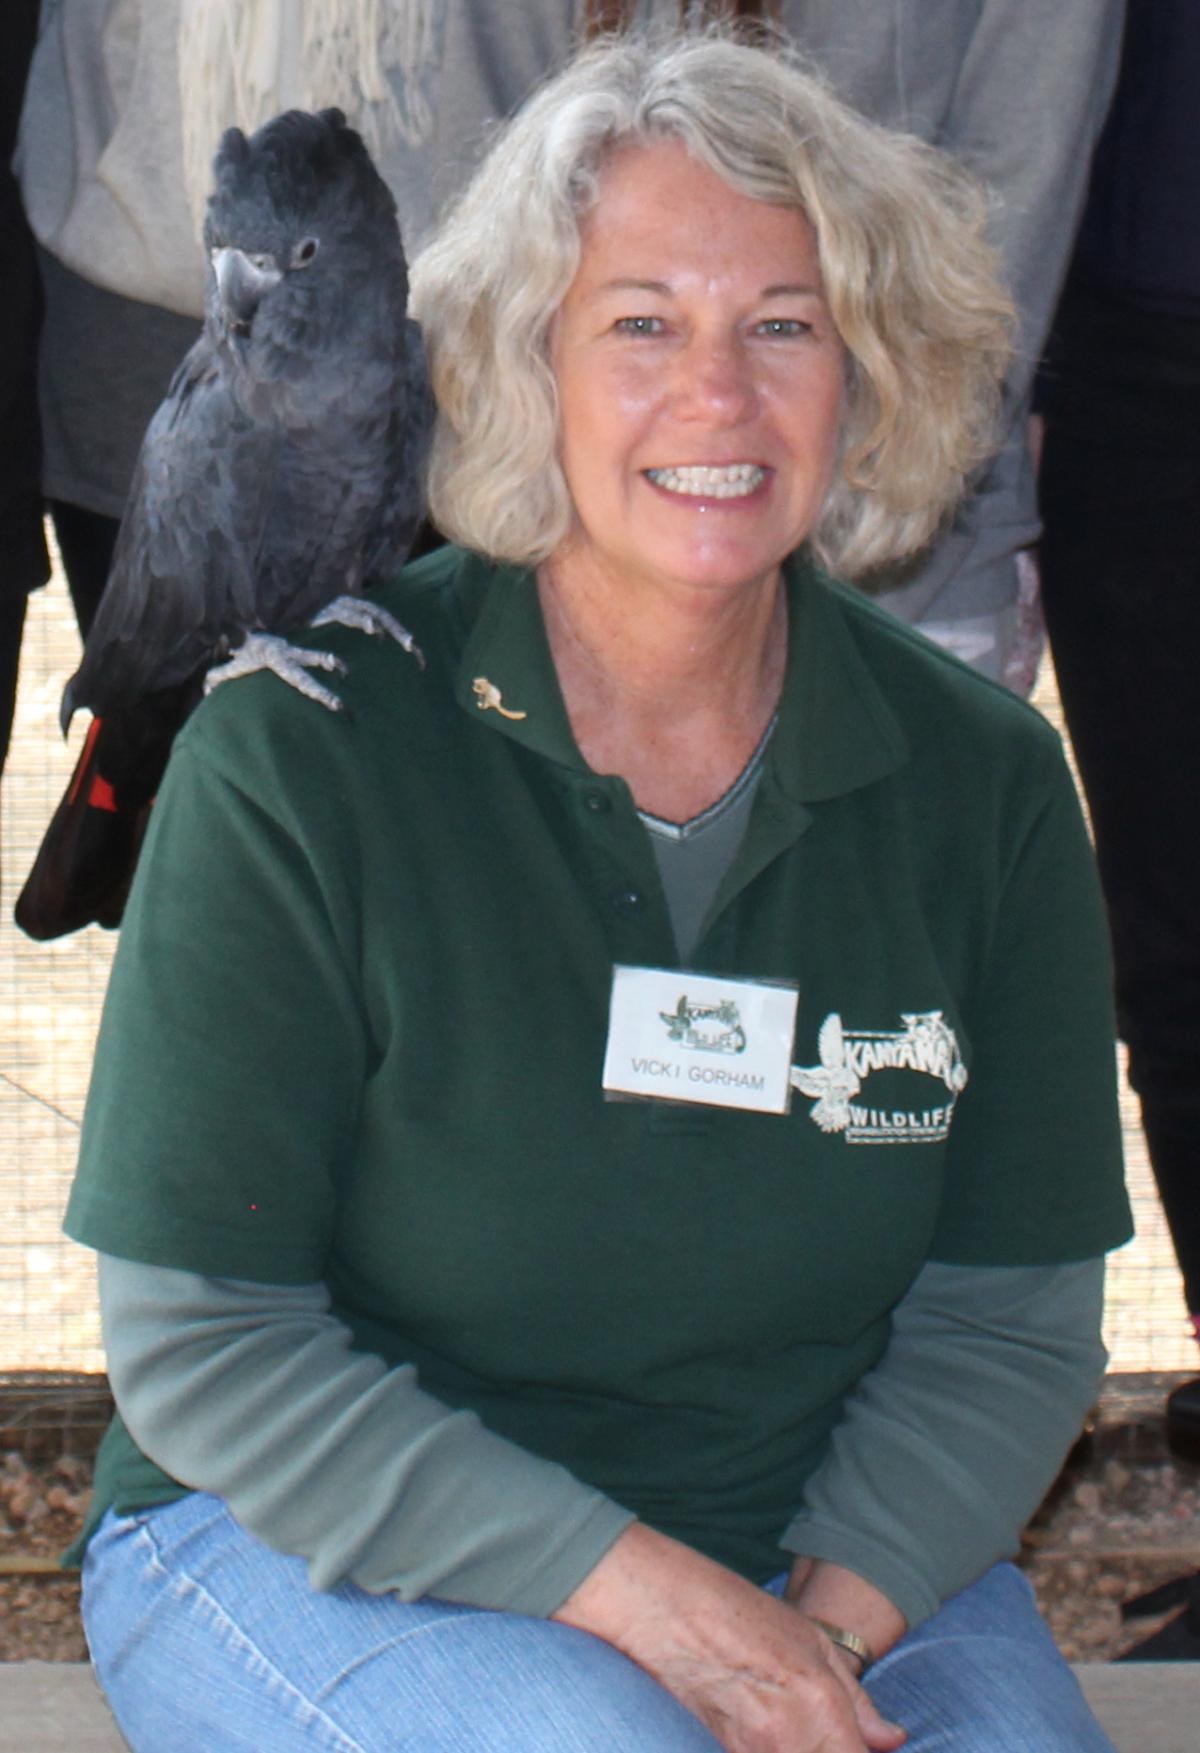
[[293, 163]]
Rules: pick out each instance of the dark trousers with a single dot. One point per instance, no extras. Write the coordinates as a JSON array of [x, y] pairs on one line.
[[23, 563], [1120, 489], [12, 626], [86, 540]]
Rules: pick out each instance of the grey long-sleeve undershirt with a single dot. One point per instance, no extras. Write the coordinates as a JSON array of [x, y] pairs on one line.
[[252, 1392]]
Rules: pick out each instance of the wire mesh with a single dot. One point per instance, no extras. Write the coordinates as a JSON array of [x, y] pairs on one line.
[[46, 1413], [50, 996]]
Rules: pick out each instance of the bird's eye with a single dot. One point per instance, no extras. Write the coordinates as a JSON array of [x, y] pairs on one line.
[[304, 252]]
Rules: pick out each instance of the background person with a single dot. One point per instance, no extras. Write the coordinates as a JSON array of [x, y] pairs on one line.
[[1018, 91], [1120, 482], [22, 541], [409, 1321]]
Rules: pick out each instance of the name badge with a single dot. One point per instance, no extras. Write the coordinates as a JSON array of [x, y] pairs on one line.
[[684, 1037]]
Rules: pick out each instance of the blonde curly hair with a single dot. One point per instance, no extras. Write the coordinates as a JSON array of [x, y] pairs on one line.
[[912, 285]]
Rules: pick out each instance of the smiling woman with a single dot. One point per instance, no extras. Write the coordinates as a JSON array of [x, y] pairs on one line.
[[686, 257], [907, 275], [465, 1403], [699, 377]]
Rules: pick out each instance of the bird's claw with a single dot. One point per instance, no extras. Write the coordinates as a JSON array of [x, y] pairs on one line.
[[367, 617], [291, 663]]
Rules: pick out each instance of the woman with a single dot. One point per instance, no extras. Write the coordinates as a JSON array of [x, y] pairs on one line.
[[412, 1313]]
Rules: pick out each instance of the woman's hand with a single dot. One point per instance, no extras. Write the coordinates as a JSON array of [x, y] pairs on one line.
[[758, 1675], [827, 1591]]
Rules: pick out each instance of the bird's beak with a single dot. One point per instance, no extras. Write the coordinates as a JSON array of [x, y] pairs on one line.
[[241, 283]]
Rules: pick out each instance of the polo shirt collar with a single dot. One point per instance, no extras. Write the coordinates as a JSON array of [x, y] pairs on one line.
[[835, 732], [506, 666]]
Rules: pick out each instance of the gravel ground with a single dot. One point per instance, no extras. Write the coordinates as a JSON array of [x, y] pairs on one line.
[[1111, 1529], [42, 1506], [1108, 1533]]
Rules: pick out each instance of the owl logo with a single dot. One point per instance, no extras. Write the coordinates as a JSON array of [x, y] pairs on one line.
[[834, 1082]]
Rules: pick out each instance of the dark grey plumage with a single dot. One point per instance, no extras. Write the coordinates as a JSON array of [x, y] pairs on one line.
[[284, 467], [282, 473]]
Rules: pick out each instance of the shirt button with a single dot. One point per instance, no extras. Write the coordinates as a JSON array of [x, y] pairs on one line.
[[627, 900], [598, 802]]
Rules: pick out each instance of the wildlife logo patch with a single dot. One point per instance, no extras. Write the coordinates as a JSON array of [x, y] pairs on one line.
[[925, 1045], [706, 1028]]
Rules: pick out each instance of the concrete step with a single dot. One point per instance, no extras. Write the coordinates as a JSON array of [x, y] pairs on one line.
[[1146, 1707], [56, 1707]]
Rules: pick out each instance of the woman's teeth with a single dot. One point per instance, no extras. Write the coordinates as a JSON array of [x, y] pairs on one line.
[[706, 482]]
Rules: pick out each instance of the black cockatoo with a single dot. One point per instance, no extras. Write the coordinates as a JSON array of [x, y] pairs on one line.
[[281, 474]]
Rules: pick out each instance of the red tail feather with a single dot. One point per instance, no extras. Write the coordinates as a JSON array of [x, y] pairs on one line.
[[86, 860]]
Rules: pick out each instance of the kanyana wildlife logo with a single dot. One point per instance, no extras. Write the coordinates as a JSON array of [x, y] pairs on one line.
[[925, 1044], [706, 1028]]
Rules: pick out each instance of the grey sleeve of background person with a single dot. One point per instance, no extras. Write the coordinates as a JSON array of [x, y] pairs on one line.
[[250, 1391], [253, 1393], [947, 1447], [1018, 90]]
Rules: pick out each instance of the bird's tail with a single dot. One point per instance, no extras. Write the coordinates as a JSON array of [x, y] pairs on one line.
[[86, 861]]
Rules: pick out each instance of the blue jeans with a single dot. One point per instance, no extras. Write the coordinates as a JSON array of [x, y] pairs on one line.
[[206, 1641]]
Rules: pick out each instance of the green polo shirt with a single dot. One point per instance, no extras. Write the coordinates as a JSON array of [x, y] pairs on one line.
[[358, 1015]]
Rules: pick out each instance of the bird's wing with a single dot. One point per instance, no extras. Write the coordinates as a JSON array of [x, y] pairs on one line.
[[182, 571], [831, 1047], [403, 505]]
